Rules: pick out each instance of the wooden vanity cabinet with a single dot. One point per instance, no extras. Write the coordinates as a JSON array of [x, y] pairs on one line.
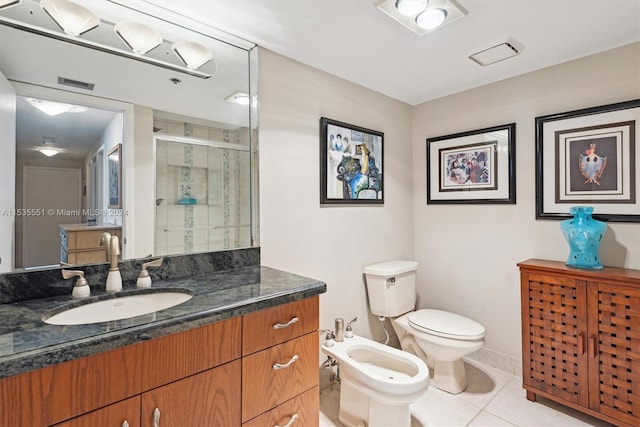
[[220, 374], [581, 338], [60, 392], [280, 365]]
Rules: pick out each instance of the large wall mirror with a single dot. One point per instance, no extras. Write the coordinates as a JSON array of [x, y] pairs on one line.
[[143, 107]]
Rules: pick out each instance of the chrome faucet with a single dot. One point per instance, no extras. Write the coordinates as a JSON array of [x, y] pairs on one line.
[[114, 279]]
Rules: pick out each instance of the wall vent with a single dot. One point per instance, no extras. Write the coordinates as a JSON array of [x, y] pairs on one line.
[[75, 83]]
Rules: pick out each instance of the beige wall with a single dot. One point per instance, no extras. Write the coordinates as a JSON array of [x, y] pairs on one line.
[[329, 243], [468, 254]]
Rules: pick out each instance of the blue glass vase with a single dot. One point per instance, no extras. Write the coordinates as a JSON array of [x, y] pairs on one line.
[[583, 233]]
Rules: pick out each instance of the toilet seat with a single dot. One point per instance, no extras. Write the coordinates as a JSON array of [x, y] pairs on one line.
[[445, 324]]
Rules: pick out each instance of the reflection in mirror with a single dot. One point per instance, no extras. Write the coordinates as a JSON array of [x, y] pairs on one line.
[[166, 113], [60, 181]]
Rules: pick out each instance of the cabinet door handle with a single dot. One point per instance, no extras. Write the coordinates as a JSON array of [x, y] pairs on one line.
[[286, 365], [293, 419], [286, 325], [581, 343], [592, 344], [156, 417]]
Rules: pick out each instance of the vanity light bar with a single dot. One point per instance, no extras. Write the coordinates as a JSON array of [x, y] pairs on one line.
[[100, 47]]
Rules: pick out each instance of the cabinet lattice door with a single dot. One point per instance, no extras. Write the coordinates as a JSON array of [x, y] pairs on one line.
[[617, 328], [556, 356]]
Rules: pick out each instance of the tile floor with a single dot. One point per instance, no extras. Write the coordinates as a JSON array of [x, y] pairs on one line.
[[493, 398]]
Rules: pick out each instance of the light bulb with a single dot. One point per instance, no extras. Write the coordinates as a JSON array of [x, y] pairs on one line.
[[410, 7], [431, 18]]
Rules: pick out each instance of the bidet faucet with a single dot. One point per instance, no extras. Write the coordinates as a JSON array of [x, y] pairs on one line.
[[339, 329], [80, 287]]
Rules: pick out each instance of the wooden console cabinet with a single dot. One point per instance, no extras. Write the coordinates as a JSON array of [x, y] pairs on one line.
[[223, 374], [581, 338]]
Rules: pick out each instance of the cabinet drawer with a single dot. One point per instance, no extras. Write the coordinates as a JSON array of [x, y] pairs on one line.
[[277, 374], [278, 324], [207, 399], [110, 416], [305, 408]]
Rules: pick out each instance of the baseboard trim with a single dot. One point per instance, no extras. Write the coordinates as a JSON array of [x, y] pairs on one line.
[[504, 362]]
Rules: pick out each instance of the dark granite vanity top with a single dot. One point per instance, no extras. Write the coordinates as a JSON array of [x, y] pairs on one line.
[[27, 343]]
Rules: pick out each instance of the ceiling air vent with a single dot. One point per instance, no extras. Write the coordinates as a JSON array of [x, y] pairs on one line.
[[497, 53], [75, 83]]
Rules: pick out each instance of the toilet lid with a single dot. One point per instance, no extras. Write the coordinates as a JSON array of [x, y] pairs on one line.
[[445, 324]]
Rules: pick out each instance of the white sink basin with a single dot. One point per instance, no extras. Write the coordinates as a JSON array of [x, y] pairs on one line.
[[120, 307]]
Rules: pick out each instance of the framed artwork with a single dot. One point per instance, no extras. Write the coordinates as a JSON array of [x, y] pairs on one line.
[[589, 157], [114, 169], [474, 167], [350, 164]]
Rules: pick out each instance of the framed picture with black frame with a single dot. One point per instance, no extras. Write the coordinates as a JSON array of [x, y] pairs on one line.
[[589, 157], [351, 167], [472, 167]]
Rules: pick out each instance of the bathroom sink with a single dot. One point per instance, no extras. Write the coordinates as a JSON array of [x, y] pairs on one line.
[[118, 307]]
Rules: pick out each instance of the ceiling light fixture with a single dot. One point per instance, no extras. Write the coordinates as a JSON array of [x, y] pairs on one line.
[[49, 152], [72, 18], [422, 16], [431, 18], [410, 7], [52, 108], [193, 55], [139, 38], [8, 3], [239, 97], [56, 35]]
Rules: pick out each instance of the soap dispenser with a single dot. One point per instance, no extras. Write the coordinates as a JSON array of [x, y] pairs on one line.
[[114, 279], [144, 279]]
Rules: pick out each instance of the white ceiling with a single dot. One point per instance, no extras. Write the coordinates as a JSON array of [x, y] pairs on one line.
[[354, 40]]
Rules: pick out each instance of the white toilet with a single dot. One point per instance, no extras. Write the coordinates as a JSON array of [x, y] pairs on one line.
[[378, 382], [440, 338]]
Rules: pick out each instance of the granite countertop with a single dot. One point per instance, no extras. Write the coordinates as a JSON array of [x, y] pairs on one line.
[[27, 343]]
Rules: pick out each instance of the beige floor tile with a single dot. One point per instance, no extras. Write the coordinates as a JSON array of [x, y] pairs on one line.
[[438, 408], [511, 405], [485, 419], [484, 383]]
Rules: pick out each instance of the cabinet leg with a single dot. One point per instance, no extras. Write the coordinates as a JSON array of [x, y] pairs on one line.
[[531, 396]]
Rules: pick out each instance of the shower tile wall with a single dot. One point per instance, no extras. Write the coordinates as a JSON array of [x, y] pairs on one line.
[[216, 178]]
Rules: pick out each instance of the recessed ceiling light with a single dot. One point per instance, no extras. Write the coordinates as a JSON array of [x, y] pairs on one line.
[[420, 16], [72, 18], [410, 7], [431, 18], [139, 38]]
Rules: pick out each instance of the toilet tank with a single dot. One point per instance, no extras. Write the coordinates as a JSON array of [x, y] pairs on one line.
[[391, 287]]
